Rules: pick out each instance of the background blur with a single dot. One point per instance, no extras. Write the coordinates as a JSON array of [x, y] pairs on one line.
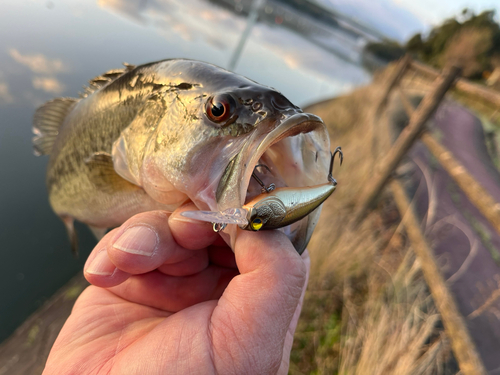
[[309, 50]]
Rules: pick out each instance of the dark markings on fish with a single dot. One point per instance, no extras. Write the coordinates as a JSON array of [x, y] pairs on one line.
[[89, 139], [105, 78], [183, 105], [156, 86], [184, 86]]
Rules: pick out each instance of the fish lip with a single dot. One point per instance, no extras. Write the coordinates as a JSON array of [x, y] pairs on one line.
[[242, 166]]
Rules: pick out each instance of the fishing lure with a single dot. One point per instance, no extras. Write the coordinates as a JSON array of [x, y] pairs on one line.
[[274, 208]]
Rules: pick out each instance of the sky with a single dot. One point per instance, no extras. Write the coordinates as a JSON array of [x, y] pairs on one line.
[[432, 12], [401, 19]]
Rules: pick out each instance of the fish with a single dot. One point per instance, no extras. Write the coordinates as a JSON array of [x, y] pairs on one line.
[[157, 135]]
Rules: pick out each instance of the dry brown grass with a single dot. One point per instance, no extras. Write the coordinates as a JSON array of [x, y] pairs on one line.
[[367, 310]]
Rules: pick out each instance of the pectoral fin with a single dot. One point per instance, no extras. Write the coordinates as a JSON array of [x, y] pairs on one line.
[[103, 175]]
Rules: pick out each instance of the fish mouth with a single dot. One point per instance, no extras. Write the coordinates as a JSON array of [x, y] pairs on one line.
[[295, 153]]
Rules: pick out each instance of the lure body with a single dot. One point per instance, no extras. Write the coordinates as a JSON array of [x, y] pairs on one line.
[[284, 206]]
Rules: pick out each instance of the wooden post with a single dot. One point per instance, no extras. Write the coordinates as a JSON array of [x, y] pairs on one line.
[[462, 345], [394, 80], [479, 91], [484, 202], [405, 140], [409, 108]]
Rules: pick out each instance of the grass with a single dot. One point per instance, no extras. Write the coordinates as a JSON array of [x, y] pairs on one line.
[[367, 310]]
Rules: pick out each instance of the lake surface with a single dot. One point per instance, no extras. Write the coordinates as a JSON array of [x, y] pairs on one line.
[[52, 48]]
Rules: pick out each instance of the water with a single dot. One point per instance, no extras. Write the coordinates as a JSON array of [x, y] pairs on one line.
[[51, 48]]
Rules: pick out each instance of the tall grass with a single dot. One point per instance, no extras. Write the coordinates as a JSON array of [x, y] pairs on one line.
[[367, 310]]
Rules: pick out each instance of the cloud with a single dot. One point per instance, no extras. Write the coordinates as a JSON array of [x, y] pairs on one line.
[[132, 9], [191, 20], [50, 85], [388, 16], [5, 95], [38, 63]]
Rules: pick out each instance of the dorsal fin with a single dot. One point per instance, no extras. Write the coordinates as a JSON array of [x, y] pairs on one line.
[[47, 121], [102, 80]]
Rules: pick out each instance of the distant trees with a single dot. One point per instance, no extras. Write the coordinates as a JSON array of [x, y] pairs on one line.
[[473, 42], [469, 40]]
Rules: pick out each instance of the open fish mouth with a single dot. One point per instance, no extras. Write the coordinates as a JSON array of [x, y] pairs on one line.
[[295, 153]]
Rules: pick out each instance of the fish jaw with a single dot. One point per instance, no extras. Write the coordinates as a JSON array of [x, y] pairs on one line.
[[297, 152]]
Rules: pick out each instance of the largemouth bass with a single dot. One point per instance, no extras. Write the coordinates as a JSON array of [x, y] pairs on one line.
[[157, 135]]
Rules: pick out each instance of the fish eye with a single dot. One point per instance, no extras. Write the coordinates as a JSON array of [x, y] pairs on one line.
[[220, 107], [256, 224]]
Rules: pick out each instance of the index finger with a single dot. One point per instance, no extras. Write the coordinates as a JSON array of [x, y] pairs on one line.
[[148, 241]]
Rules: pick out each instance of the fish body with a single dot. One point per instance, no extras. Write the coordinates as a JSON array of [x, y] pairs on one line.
[[157, 135]]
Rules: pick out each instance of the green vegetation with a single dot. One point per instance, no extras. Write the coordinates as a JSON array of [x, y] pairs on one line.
[[387, 51], [32, 334], [470, 40], [73, 292]]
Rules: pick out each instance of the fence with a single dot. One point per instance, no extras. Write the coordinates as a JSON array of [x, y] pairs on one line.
[[461, 342]]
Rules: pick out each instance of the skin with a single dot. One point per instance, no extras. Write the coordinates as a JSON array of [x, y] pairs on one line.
[[175, 299]]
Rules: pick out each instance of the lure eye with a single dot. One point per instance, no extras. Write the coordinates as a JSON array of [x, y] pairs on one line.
[[256, 224], [220, 107]]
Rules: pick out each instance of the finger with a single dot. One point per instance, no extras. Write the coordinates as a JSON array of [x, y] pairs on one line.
[[145, 242], [190, 266], [171, 293], [254, 314], [222, 256], [99, 270], [182, 229]]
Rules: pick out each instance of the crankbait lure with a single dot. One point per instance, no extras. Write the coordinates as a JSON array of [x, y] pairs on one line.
[[274, 208]]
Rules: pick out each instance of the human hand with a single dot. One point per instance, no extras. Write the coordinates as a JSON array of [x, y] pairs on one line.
[[169, 299]]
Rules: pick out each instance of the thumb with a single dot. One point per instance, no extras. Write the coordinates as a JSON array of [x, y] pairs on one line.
[[250, 323]]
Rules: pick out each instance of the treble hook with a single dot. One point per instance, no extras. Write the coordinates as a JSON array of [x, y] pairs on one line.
[[218, 227], [338, 150], [265, 189]]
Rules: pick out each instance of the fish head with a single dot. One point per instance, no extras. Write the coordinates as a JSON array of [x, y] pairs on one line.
[[214, 129]]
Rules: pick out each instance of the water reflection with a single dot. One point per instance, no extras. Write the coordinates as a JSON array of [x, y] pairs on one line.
[[50, 49], [196, 21], [38, 63]]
